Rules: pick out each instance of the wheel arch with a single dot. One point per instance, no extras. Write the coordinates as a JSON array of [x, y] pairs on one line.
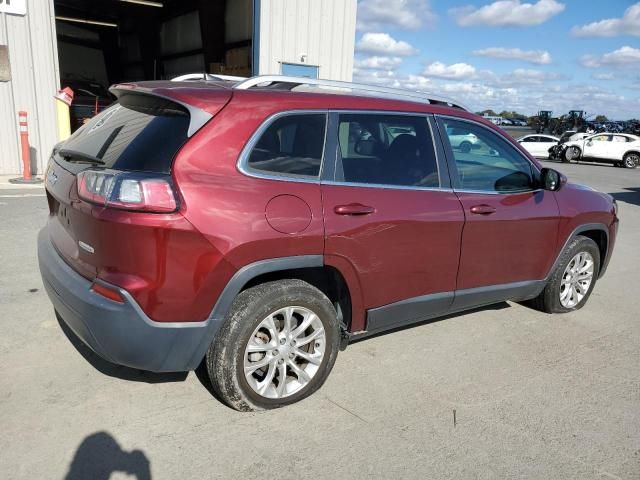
[[598, 232]]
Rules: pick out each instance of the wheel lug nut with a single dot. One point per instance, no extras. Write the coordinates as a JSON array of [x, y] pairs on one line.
[[280, 362], [283, 341], [274, 353], [291, 355], [293, 343]]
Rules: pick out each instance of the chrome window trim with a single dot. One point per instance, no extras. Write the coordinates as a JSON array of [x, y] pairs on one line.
[[385, 186], [486, 192], [243, 159]]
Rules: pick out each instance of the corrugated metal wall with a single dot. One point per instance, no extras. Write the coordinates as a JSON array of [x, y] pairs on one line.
[[34, 81], [323, 30]]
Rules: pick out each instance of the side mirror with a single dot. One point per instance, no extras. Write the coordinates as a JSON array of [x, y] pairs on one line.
[[551, 179]]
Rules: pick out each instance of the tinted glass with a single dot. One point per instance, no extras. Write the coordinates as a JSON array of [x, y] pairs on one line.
[[387, 150], [138, 133], [529, 139], [291, 145], [490, 163]]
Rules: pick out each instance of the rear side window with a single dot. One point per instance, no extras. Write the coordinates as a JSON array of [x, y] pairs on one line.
[[138, 133], [382, 149], [291, 145]]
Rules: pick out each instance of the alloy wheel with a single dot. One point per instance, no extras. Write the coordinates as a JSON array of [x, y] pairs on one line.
[[576, 279], [284, 352], [631, 160]]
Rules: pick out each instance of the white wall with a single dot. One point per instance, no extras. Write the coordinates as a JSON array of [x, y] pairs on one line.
[[34, 81], [323, 30]]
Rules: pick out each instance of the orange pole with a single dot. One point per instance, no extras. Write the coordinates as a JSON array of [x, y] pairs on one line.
[[24, 141]]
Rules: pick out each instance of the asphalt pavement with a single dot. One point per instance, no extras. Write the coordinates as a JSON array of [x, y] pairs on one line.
[[502, 392]]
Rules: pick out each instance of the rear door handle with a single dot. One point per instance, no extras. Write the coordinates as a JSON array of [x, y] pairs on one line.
[[483, 209], [354, 209]]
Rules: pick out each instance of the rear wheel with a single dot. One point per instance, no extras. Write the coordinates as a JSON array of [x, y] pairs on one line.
[[465, 147], [573, 279], [631, 160], [277, 346]]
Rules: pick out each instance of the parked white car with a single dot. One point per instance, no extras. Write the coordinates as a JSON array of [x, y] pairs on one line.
[[621, 149], [538, 145], [462, 140]]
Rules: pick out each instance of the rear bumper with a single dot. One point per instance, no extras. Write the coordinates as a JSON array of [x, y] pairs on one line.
[[119, 332]]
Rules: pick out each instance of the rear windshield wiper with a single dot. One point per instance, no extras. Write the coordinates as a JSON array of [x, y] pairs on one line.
[[79, 157]]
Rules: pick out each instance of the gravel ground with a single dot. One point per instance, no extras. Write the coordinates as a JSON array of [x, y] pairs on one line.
[[534, 395]]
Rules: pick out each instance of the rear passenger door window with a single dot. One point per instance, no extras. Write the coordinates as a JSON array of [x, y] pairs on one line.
[[380, 149], [487, 163], [291, 145]]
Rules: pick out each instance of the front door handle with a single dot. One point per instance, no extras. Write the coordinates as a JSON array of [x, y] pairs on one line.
[[483, 210], [354, 209]]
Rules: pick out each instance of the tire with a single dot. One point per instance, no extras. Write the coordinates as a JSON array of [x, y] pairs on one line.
[[631, 160], [465, 147], [245, 327], [549, 300], [572, 153]]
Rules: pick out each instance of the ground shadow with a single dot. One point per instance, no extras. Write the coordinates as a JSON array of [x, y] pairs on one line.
[[117, 371], [99, 455], [495, 306], [631, 196]]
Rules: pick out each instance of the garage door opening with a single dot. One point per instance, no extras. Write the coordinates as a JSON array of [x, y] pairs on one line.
[[102, 42]]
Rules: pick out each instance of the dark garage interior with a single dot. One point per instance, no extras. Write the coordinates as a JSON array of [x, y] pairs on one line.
[[102, 42]]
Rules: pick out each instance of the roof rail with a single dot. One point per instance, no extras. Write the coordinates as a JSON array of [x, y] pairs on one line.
[[283, 82], [190, 77]]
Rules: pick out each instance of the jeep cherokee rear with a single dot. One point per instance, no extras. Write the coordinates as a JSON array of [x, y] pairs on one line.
[[259, 228]]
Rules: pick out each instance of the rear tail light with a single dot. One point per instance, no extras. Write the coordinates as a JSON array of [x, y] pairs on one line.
[[128, 190]]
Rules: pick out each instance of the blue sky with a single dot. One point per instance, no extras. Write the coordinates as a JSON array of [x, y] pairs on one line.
[[524, 55]]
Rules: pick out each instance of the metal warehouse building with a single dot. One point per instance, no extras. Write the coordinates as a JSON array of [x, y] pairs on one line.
[[90, 44]]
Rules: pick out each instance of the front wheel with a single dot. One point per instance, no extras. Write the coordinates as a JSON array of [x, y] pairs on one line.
[[631, 160], [573, 278], [572, 153], [277, 346]]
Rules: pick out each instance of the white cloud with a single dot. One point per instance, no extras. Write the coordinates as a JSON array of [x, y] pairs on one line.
[[378, 63], [507, 13], [624, 56], [540, 57], [384, 44], [603, 76], [405, 14], [522, 77], [454, 71], [629, 24]]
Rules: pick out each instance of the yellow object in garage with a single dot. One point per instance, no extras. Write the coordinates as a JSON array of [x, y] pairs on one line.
[[64, 120]]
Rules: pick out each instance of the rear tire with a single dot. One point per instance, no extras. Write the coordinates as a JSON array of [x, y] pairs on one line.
[[465, 147], [631, 160], [568, 274], [258, 360]]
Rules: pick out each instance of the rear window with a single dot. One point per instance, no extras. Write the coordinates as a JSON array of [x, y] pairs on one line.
[[138, 133]]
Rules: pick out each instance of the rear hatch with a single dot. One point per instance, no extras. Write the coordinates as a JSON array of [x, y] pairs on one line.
[[138, 136]]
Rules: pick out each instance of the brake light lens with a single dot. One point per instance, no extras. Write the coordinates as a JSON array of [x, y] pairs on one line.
[[128, 190]]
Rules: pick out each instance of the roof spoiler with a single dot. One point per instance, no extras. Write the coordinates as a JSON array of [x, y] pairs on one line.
[[197, 116]]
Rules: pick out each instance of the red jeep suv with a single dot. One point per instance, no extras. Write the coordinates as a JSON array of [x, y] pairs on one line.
[[259, 226]]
